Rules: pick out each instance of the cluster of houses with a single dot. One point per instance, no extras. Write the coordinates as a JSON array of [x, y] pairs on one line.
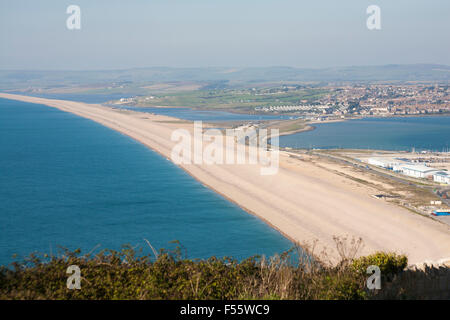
[[289, 108], [411, 169]]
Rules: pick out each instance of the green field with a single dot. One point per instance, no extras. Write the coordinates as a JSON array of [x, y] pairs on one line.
[[239, 99]]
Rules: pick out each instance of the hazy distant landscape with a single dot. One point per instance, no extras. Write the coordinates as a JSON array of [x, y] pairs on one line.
[[218, 76]]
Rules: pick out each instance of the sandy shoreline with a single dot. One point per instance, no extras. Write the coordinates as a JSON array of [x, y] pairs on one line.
[[303, 201], [307, 128]]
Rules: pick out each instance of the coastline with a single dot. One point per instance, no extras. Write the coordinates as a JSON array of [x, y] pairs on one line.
[[307, 128], [275, 199]]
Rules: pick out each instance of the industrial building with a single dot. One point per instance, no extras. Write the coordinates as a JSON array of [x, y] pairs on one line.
[[441, 177], [388, 163], [410, 169], [417, 170]]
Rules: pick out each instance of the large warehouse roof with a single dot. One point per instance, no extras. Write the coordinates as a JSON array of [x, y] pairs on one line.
[[418, 167]]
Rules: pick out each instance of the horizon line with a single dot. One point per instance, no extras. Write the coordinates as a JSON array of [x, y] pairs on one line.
[[231, 67]]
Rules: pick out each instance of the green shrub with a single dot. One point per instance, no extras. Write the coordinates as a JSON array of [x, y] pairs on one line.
[[389, 263], [128, 274], [342, 287]]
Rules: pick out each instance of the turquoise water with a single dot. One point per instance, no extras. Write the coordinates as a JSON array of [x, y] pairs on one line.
[[71, 182], [399, 133]]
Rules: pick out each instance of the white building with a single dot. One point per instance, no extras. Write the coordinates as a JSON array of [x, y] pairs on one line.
[[388, 163], [441, 177], [379, 162], [417, 170], [398, 167]]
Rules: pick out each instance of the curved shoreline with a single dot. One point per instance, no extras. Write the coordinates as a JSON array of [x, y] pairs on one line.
[[306, 129], [311, 127], [301, 201]]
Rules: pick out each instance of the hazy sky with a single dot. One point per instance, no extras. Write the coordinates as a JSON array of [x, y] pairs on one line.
[[188, 33]]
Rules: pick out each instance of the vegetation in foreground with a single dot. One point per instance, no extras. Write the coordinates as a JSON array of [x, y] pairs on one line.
[[128, 274]]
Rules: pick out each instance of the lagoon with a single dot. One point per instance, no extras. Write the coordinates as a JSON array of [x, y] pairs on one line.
[[396, 133]]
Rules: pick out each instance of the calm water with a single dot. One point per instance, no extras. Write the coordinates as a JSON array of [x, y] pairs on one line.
[[206, 115], [68, 181], [421, 133]]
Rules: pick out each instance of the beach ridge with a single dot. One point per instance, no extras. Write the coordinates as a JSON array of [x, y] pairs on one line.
[[303, 202]]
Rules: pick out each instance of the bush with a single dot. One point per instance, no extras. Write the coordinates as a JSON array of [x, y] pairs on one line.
[[389, 263], [128, 274], [342, 287]]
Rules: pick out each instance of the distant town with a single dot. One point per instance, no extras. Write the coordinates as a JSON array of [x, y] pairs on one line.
[[309, 101], [373, 99]]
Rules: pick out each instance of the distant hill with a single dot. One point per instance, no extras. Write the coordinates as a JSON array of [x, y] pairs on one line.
[[416, 72]]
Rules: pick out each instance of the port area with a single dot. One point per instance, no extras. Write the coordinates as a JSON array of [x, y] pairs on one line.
[[418, 191]]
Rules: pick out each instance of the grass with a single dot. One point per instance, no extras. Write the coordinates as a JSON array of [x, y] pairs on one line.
[[241, 100], [291, 125], [128, 274]]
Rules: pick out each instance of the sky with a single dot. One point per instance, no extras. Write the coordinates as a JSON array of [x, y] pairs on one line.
[[118, 34]]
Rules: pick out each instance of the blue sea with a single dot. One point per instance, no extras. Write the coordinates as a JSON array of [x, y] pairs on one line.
[[397, 133], [68, 181]]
